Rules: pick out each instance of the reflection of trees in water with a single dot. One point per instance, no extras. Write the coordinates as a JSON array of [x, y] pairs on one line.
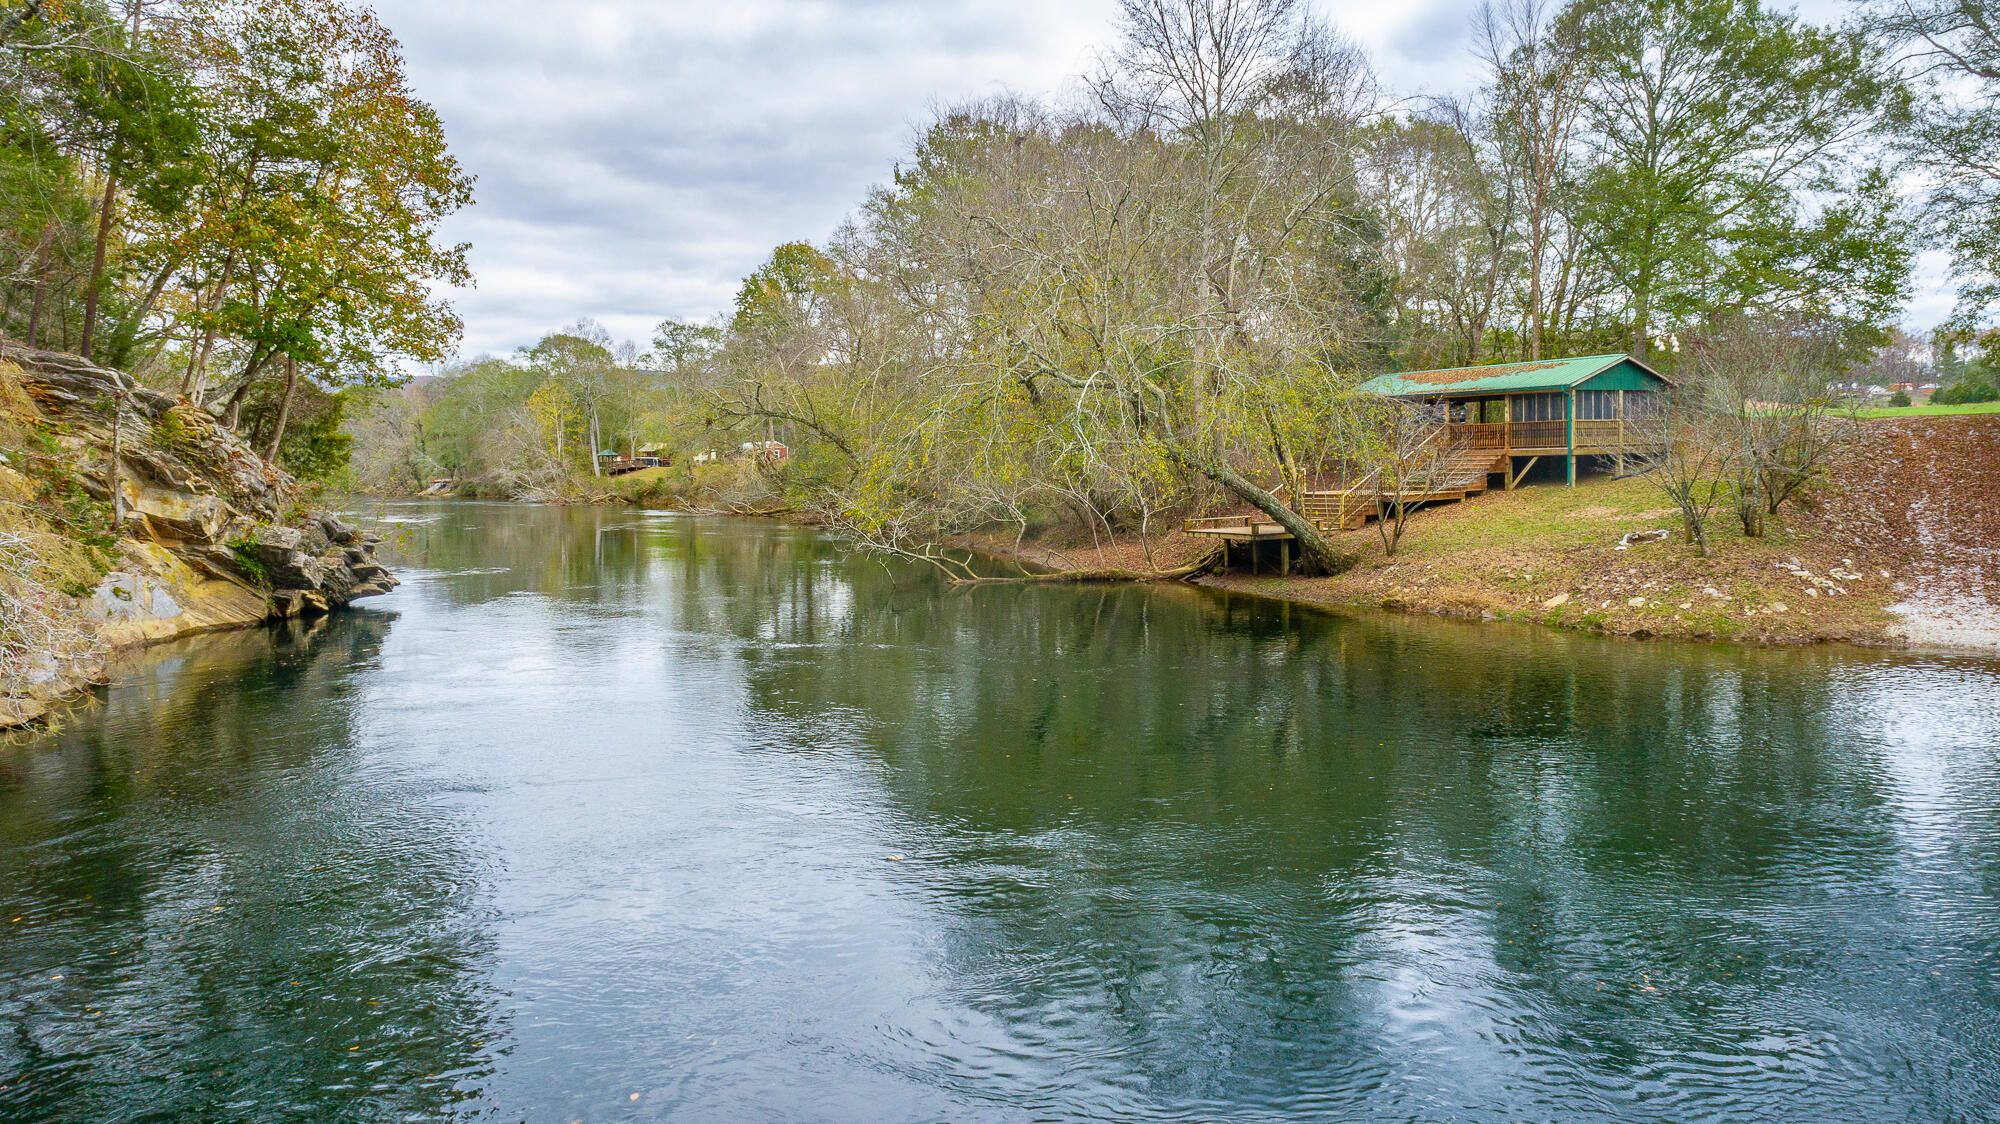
[[478, 552], [1165, 816], [234, 901]]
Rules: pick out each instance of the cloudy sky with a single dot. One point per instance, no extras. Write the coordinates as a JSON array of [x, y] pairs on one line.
[[637, 157]]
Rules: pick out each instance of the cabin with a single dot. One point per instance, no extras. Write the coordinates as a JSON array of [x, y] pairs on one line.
[[1500, 420], [1520, 413]]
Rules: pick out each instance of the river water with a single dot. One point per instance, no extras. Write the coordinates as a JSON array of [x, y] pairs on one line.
[[610, 815]]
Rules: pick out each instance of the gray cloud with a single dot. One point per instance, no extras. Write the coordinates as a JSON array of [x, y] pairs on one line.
[[637, 157]]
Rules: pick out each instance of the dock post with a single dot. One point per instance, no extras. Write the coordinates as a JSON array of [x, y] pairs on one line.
[[1284, 558]]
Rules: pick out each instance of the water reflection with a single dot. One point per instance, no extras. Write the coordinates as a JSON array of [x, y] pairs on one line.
[[616, 814], [218, 906]]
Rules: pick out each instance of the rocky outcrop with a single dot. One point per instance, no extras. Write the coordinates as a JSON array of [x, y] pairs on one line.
[[207, 535]]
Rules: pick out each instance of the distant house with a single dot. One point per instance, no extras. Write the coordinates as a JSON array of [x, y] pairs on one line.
[[766, 452], [1522, 412]]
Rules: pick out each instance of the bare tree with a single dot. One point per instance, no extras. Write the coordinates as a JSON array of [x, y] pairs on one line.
[[1689, 463], [1409, 455], [1047, 307], [1765, 391], [1448, 216], [1538, 94]]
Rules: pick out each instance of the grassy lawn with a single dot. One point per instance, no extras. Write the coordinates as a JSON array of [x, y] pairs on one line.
[[1539, 516], [1931, 411]]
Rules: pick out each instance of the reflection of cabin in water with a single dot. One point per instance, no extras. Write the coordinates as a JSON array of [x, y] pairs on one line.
[[1500, 420], [1595, 406]]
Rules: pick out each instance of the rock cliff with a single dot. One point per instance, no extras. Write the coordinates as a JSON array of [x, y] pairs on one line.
[[129, 517]]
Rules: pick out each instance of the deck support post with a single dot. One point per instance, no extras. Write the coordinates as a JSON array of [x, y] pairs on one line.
[[1569, 432], [1284, 558], [1621, 433], [1253, 553]]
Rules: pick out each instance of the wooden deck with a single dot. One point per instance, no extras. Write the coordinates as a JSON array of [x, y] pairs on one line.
[[1346, 509], [625, 465], [1258, 526], [1485, 450]]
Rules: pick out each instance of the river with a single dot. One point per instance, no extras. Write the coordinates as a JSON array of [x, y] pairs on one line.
[[614, 815]]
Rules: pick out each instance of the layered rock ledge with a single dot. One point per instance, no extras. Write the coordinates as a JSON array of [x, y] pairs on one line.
[[205, 534]]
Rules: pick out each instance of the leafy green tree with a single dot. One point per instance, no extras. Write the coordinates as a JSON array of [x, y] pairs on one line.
[[686, 350], [136, 112], [1711, 120], [1977, 383], [339, 179], [1950, 50], [579, 362]]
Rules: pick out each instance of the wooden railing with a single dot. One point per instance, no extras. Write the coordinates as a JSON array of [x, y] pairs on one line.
[[1481, 435], [1220, 522], [1596, 433], [1591, 433], [1540, 435], [1331, 510]]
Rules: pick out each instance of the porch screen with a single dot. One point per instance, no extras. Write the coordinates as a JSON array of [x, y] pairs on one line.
[[1598, 405], [1538, 407]]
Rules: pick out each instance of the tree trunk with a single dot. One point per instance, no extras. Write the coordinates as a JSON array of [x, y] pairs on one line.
[[284, 408], [1179, 573], [197, 381], [1535, 292], [1642, 309], [121, 342], [97, 266], [35, 314], [118, 460], [1313, 546], [256, 364]]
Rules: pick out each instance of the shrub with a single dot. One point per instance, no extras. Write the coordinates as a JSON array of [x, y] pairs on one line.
[[1971, 388], [1899, 399], [249, 560]]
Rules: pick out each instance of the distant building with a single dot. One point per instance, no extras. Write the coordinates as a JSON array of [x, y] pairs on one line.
[[764, 452]]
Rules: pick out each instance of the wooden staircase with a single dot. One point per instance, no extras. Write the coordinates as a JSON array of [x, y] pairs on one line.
[[1465, 475]]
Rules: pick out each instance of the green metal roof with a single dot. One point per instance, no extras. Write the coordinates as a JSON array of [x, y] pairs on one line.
[[1547, 374]]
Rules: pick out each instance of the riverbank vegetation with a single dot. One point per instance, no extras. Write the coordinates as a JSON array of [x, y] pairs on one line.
[[1156, 296], [236, 202], [218, 218], [1899, 554]]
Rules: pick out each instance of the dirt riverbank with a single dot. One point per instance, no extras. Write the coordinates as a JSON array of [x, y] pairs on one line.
[[1901, 549]]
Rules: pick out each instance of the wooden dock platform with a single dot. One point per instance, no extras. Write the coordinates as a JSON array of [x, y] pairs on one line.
[[1469, 473]]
